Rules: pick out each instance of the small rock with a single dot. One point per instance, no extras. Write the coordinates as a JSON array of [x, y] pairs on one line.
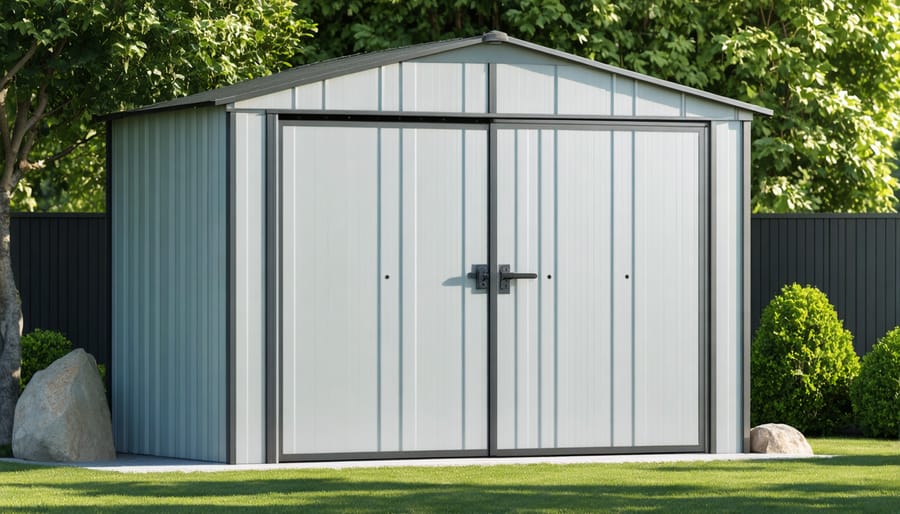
[[62, 415], [778, 438]]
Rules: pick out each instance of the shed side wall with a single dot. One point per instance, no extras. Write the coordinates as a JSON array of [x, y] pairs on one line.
[[169, 284]]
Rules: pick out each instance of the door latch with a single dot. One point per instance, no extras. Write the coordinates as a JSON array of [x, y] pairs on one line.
[[506, 276], [482, 275]]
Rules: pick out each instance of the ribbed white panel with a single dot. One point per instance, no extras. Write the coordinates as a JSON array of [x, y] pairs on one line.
[[390, 87], [729, 282], [433, 87], [526, 88], [390, 212], [652, 100], [308, 96], [356, 91], [583, 247], [699, 107], [278, 100], [547, 271], [507, 365], [169, 276], [385, 342], [581, 90], [518, 354], [330, 289], [444, 324], [250, 295], [554, 333], [622, 290], [476, 86], [623, 96], [666, 278]]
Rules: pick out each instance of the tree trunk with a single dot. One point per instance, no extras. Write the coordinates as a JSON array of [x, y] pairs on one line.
[[10, 328]]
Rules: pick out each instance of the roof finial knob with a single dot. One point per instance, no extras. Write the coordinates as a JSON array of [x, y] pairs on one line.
[[495, 36]]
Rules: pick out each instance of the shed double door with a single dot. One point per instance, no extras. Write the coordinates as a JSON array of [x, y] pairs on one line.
[[400, 335]]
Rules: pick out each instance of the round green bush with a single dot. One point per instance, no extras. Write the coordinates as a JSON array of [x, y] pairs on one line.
[[802, 363], [39, 349], [876, 391]]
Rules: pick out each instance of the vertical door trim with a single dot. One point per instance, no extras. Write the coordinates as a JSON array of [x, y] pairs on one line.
[[273, 289], [745, 271], [230, 300], [493, 290], [707, 292], [711, 324]]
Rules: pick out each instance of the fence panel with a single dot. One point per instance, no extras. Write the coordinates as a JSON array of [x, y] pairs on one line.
[[61, 264], [851, 258]]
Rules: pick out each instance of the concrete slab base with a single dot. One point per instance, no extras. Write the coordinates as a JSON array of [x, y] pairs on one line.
[[128, 463]]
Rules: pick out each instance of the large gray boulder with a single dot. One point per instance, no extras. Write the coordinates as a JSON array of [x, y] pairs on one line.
[[62, 416], [778, 438]]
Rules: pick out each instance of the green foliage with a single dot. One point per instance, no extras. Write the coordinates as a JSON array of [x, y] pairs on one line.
[[876, 391], [39, 349], [86, 58], [830, 70], [802, 363], [74, 184]]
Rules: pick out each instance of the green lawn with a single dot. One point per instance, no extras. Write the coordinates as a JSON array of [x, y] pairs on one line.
[[864, 477]]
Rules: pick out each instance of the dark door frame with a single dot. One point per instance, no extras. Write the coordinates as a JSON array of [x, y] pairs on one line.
[[274, 134]]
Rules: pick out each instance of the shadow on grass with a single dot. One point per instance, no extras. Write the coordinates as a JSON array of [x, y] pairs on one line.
[[362, 493]]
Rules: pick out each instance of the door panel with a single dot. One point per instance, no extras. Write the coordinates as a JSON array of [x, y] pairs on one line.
[[384, 340], [602, 350], [330, 290], [666, 291], [555, 219]]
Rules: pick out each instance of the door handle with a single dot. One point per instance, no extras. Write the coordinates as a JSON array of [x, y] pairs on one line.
[[506, 276]]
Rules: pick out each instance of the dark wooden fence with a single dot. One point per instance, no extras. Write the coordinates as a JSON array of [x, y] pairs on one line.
[[61, 264], [854, 259]]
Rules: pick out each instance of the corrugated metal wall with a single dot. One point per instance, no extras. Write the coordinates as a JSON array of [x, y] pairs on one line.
[[61, 264], [169, 283], [854, 259]]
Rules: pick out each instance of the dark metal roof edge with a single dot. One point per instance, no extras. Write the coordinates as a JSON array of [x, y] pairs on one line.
[[166, 106], [643, 78], [346, 65]]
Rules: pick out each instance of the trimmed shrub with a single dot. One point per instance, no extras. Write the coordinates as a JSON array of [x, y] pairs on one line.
[[876, 391], [39, 349], [802, 363]]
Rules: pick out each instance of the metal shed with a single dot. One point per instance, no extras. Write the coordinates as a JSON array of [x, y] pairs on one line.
[[471, 247]]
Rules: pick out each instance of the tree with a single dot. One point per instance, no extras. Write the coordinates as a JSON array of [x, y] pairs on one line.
[[829, 70], [63, 62]]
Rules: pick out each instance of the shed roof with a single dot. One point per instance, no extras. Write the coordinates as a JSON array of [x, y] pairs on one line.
[[331, 68]]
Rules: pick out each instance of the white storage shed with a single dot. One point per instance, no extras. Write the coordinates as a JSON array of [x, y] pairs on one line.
[[475, 247]]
